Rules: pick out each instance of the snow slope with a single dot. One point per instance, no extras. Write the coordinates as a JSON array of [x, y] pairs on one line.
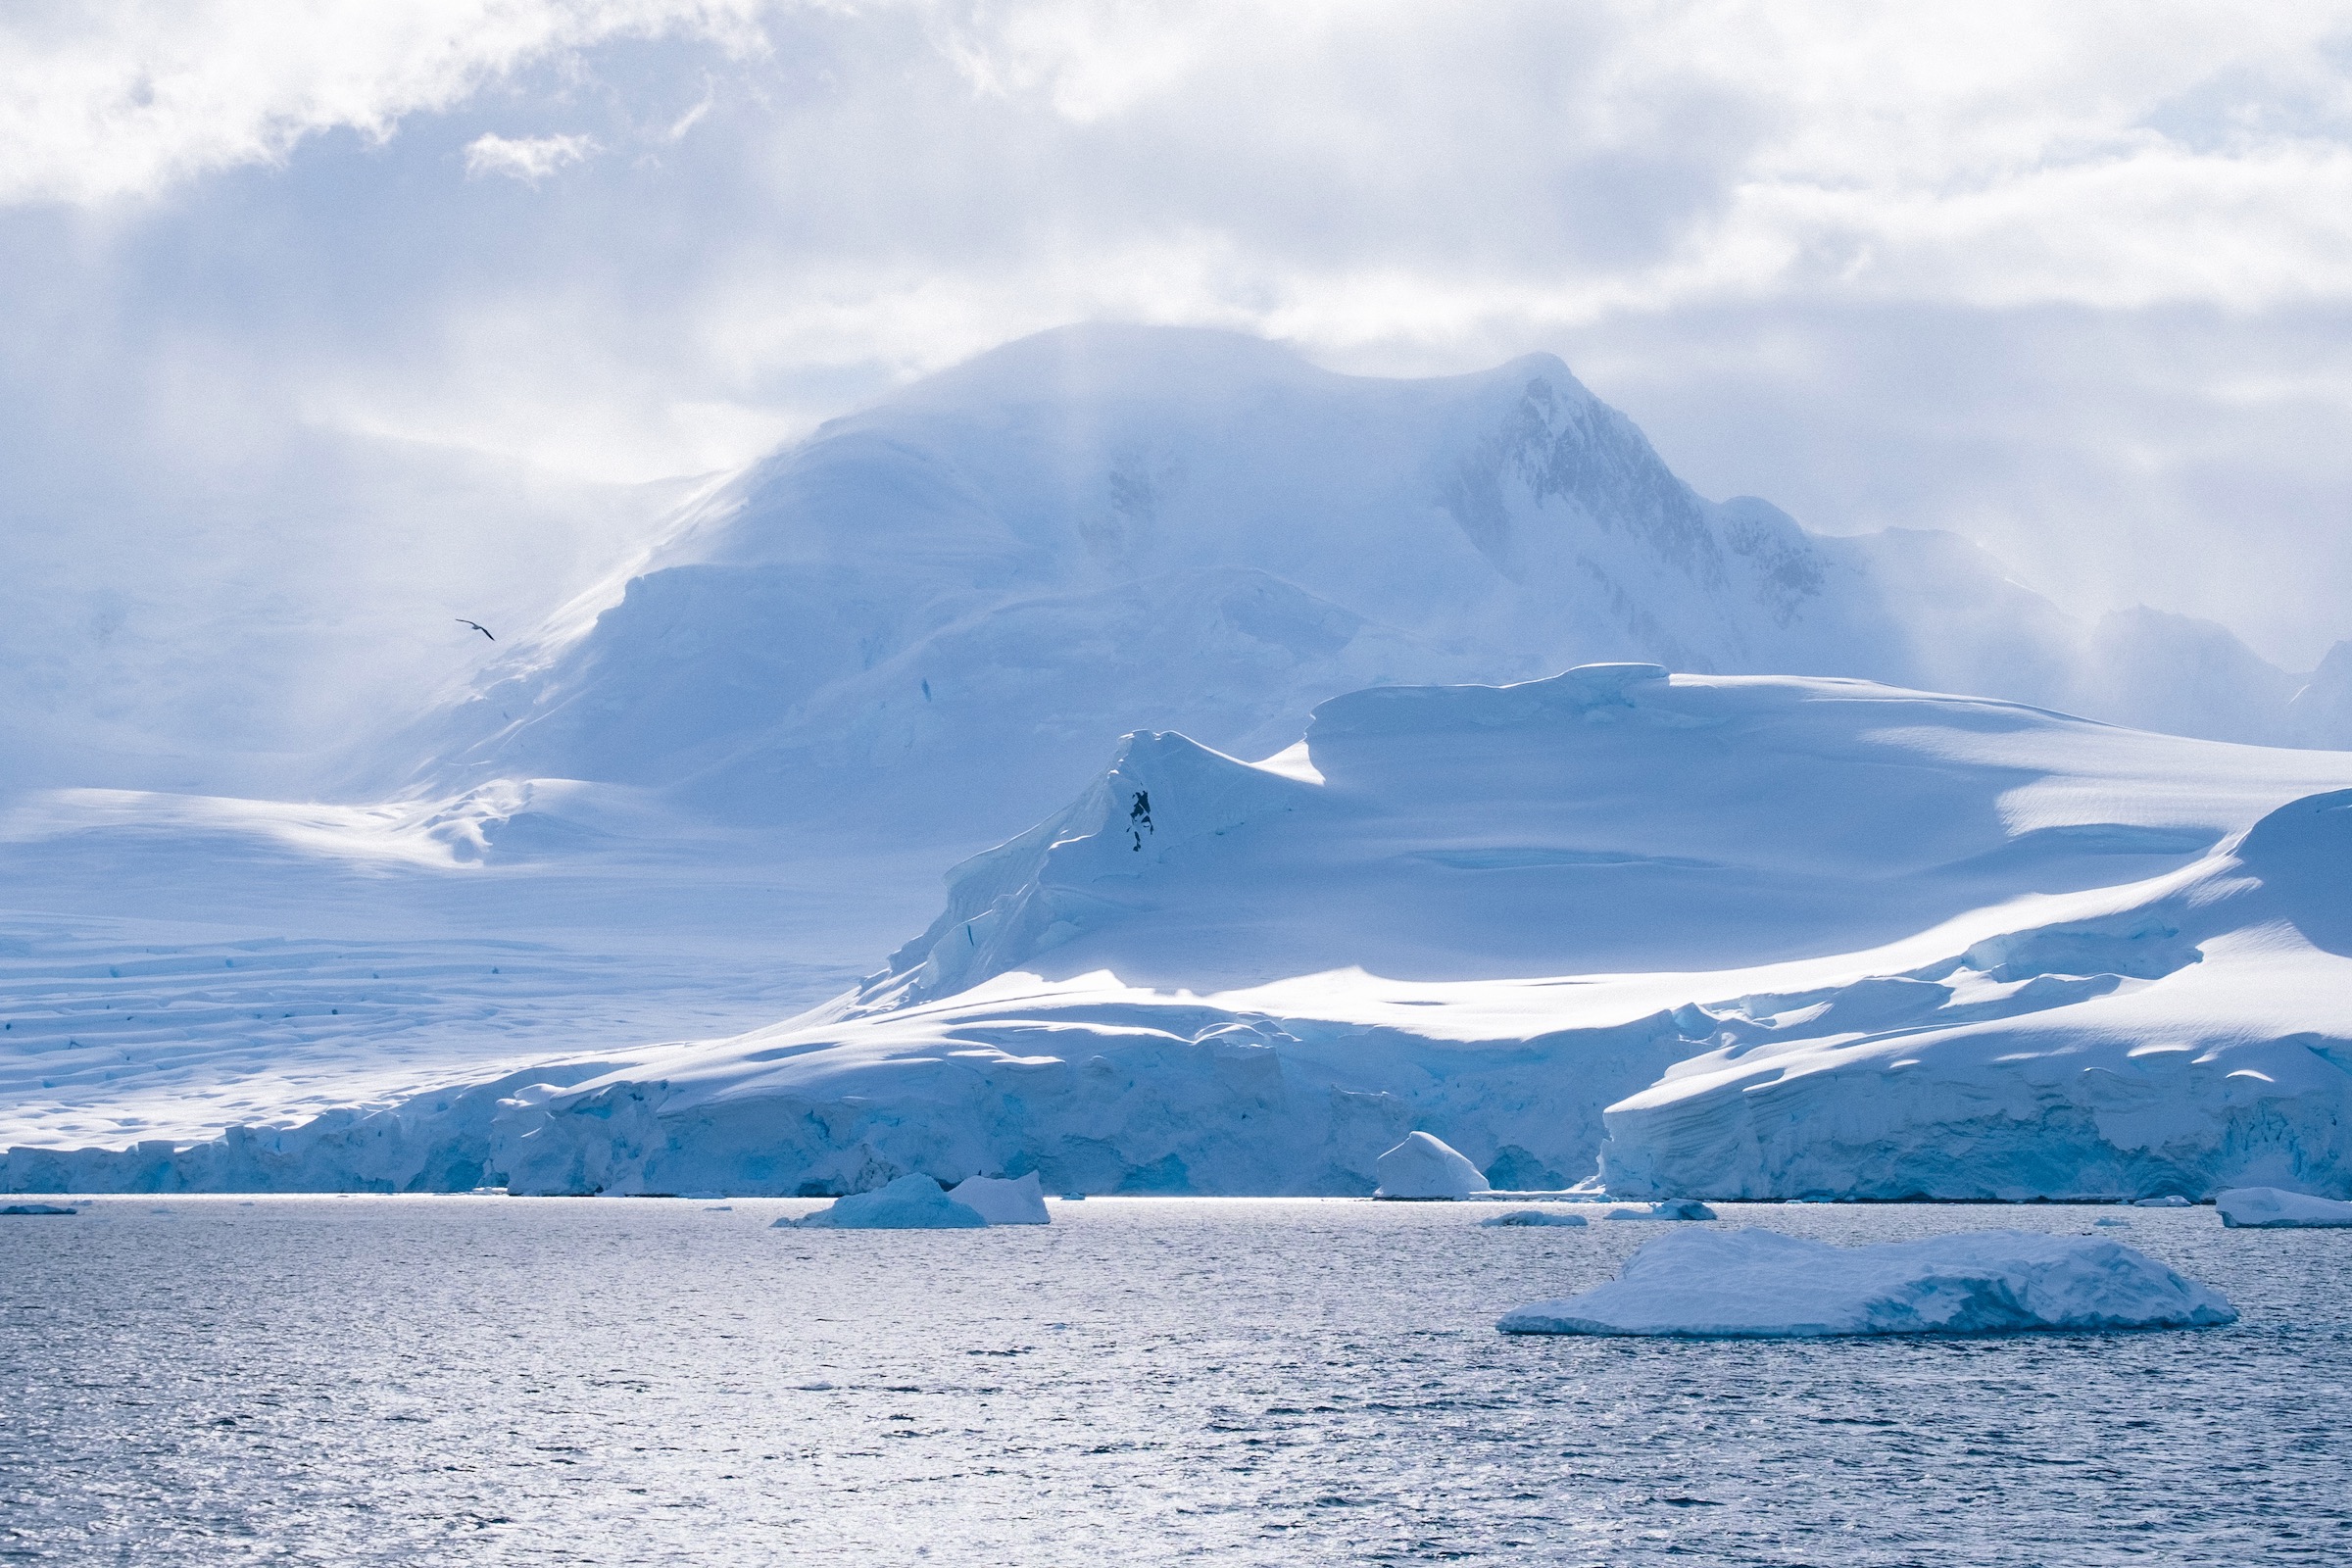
[[922, 621], [2193, 1031], [1795, 937], [722, 776]]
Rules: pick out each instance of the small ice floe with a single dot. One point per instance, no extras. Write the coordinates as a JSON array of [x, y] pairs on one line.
[[2277, 1208], [1666, 1208], [1534, 1216], [718, 1208], [1423, 1166], [37, 1208], [1017, 1201], [909, 1203], [2168, 1200], [1759, 1284], [2110, 1219]]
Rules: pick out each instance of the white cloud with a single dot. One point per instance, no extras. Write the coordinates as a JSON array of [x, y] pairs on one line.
[[101, 102], [2075, 279], [531, 158]]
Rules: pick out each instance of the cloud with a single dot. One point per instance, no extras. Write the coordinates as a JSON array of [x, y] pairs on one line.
[[2074, 280], [128, 100], [530, 160]]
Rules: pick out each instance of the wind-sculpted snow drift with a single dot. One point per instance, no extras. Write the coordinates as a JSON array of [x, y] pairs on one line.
[[1795, 937]]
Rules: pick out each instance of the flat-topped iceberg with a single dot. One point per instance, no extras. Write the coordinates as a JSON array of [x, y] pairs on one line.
[[909, 1203], [1759, 1284], [2275, 1209], [1426, 1166], [1534, 1216], [1019, 1201]]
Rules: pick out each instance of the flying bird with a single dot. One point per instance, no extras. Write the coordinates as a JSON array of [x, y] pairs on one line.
[[477, 625]]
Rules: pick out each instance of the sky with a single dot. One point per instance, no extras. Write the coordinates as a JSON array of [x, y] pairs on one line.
[[324, 322]]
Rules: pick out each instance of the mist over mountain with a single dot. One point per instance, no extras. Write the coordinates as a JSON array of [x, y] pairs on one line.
[[930, 616]]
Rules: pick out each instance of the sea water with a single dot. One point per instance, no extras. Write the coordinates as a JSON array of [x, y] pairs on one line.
[[487, 1380]]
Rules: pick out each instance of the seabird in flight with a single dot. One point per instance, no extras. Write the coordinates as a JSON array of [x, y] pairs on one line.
[[477, 625]]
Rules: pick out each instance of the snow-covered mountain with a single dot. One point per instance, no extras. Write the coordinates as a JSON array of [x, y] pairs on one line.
[[1724, 935], [723, 779], [923, 620]]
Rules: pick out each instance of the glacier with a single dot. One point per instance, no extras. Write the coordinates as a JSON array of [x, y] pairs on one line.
[[705, 791], [1752, 1283], [1710, 937], [573, 892]]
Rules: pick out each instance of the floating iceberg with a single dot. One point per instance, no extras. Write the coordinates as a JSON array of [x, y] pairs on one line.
[[909, 1203], [2168, 1200], [2275, 1208], [1018, 1201], [1424, 1166], [1759, 1284], [36, 1209], [1668, 1208], [1534, 1216]]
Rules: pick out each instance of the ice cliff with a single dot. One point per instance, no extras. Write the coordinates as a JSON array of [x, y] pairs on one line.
[[2189, 1032], [1792, 937]]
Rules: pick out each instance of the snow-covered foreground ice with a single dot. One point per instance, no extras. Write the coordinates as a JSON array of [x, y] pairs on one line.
[[2270, 1208], [629, 1381], [1753, 1283], [1795, 937]]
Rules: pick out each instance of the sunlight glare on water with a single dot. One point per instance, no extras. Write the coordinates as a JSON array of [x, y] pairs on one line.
[[480, 1380]]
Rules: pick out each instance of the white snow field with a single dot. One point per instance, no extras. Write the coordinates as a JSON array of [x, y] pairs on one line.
[[2270, 1208], [1752, 1283], [1795, 937]]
